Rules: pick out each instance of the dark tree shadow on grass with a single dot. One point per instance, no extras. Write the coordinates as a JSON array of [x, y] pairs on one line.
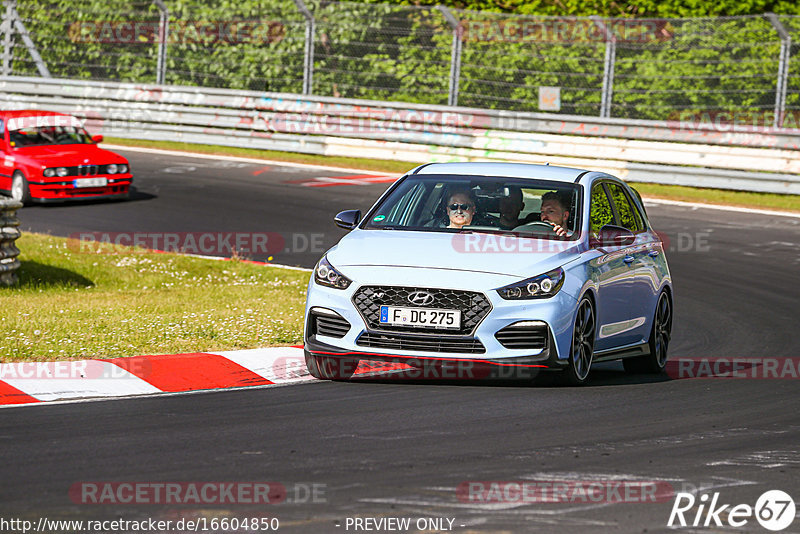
[[33, 274]]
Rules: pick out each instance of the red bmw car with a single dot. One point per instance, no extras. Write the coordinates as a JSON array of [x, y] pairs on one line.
[[48, 157]]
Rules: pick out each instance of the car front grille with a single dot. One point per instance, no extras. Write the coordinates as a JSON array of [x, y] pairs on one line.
[[420, 343], [474, 307], [523, 335]]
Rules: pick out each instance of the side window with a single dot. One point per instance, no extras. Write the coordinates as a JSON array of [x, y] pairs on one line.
[[627, 214], [600, 210]]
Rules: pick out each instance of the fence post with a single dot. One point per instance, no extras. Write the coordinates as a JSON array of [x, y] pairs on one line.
[[308, 60], [26, 39], [455, 55], [9, 233], [163, 36], [783, 69], [609, 60], [8, 38]]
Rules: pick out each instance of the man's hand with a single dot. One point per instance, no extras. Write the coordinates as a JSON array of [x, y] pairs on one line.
[[559, 230]]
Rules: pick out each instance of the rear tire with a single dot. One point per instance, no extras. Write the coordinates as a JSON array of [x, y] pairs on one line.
[[656, 361], [327, 368], [19, 188], [582, 348]]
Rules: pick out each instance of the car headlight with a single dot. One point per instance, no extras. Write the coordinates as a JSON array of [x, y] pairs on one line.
[[122, 168], [326, 275], [61, 171], [111, 169], [539, 287], [49, 172]]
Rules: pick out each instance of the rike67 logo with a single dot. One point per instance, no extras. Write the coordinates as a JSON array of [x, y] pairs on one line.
[[774, 510]]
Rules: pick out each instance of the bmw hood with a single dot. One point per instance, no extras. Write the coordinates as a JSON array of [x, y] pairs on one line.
[[498, 254], [68, 155]]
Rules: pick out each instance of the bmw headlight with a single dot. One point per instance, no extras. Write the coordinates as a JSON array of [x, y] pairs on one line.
[[49, 173], [61, 171], [326, 275], [122, 169], [111, 169], [539, 287]]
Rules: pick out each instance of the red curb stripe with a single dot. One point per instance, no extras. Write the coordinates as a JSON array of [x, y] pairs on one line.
[[189, 372], [11, 395]]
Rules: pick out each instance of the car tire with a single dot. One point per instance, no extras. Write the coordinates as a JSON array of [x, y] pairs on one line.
[[660, 333], [327, 368], [19, 188], [582, 347]]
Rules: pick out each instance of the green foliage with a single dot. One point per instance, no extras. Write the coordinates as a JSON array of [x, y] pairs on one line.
[[665, 68]]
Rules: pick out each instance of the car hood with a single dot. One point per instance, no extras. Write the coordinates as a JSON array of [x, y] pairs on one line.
[[495, 254], [68, 155]]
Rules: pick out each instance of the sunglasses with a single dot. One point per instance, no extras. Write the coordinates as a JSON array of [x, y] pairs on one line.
[[462, 207]]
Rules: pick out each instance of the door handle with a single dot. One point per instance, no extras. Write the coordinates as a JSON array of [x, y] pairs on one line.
[[628, 259]]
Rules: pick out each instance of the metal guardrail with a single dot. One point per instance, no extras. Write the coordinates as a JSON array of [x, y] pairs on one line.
[[9, 233], [646, 151]]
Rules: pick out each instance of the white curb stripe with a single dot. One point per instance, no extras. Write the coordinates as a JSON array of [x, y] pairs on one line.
[[281, 365], [48, 381]]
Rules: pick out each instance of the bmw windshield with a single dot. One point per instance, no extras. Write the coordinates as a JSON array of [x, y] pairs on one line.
[[49, 135], [527, 207]]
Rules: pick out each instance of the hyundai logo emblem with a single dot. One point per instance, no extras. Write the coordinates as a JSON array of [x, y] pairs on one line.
[[420, 298]]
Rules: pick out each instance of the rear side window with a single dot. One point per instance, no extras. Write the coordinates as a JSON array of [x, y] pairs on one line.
[[628, 216], [601, 213]]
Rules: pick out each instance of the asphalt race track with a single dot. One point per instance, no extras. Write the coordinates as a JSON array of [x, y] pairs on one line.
[[400, 450]]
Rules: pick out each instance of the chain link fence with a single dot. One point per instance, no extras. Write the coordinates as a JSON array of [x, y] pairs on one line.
[[730, 68]]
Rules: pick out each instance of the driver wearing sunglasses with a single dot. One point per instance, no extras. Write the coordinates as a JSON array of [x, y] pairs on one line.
[[460, 209]]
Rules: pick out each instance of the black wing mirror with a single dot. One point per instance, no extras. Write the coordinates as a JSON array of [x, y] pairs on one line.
[[347, 219], [613, 236]]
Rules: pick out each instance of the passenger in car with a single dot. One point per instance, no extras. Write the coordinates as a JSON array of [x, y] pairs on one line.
[[555, 210], [510, 208]]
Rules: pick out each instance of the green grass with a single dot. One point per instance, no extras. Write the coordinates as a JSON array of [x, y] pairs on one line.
[[672, 192], [70, 304]]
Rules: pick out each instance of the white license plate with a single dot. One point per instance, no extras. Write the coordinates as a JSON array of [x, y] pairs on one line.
[[90, 182], [422, 317]]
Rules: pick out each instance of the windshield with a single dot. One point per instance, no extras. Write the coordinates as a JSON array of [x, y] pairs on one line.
[[49, 135], [527, 207]]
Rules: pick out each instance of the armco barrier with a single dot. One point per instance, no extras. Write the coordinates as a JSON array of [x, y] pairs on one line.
[[755, 159], [9, 233]]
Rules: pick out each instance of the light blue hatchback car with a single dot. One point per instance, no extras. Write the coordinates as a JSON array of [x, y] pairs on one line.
[[478, 269]]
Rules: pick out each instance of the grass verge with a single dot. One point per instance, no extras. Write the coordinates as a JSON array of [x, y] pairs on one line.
[[75, 305], [770, 201]]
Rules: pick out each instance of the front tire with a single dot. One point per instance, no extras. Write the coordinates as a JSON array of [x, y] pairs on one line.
[[582, 348], [660, 334], [327, 368], [19, 188]]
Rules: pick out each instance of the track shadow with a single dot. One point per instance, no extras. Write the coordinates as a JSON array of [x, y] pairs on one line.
[[135, 196], [33, 274], [602, 375]]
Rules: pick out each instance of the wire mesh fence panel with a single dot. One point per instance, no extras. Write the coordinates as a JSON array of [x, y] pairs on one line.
[[88, 39], [382, 52], [507, 58], [256, 45], [690, 66], [792, 25], [628, 68]]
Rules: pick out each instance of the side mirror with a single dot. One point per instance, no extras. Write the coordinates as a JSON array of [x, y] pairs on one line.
[[347, 219], [97, 139], [613, 236]]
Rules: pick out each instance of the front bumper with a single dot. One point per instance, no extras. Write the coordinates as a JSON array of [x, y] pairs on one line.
[[45, 192], [491, 358]]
